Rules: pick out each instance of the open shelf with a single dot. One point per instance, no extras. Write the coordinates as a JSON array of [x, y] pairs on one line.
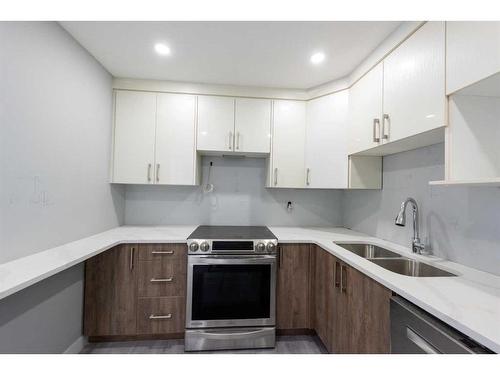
[[476, 182]]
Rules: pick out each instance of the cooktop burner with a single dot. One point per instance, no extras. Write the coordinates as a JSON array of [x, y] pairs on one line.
[[230, 232]]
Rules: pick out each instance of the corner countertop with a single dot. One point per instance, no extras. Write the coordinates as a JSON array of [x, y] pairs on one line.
[[470, 302]]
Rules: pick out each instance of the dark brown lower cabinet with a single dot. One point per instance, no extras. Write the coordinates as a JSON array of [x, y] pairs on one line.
[[293, 287], [351, 310], [134, 290], [111, 292]]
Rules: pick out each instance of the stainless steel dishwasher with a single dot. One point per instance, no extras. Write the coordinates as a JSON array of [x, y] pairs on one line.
[[414, 331]]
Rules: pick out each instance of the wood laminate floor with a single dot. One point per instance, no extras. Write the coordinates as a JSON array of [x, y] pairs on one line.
[[284, 345]]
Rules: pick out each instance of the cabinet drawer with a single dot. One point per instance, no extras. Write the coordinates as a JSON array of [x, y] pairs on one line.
[[160, 315], [165, 278], [162, 251]]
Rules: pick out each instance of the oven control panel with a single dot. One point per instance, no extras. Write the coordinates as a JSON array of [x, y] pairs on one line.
[[200, 247]]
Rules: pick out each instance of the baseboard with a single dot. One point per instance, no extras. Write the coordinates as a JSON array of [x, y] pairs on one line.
[[138, 337], [77, 346]]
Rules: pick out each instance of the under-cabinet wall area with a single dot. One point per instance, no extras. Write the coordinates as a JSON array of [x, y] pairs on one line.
[[460, 223]]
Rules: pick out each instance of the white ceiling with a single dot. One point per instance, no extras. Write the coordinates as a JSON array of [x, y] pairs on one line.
[[266, 54]]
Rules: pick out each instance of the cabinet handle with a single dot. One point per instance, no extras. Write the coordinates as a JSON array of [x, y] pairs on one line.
[[158, 172], [168, 280], [279, 257], [149, 172], [238, 140], [343, 279], [230, 140], [308, 172], [376, 130], [153, 316], [386, 119], [169, 252], [275, 176], [131, 259], [336, 274]]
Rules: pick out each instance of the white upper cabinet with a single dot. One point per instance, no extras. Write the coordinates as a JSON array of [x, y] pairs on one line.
[[366, 110], [326, 150], [175, 139], [252, 126], [472, 52], [215, 123], [287, 156], [414, 84], [134, 137]]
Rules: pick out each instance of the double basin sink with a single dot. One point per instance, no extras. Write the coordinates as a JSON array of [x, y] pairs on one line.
[[394, 262]]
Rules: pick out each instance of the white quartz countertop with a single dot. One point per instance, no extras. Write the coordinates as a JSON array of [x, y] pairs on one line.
[[470, 302]]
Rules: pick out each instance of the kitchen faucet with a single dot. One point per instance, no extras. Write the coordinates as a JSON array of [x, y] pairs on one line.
[[417, 246]]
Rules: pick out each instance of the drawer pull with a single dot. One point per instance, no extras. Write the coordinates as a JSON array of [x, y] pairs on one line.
[[153, 316], [170, 252], [155, 280]]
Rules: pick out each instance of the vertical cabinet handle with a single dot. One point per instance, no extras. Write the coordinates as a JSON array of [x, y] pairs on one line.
[[336, 274], [275, 176], [385, 135], [376, 130], [308, 172], [238, 140], [131, 259], [158, 172], [279, 257], [230, 140], [343, 279], [149, 172]]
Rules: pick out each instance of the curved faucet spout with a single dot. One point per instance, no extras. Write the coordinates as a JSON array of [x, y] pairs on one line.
[[417, 246]]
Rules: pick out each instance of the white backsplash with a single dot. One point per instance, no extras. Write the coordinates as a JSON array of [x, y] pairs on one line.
[[460, 223], [239, 198]]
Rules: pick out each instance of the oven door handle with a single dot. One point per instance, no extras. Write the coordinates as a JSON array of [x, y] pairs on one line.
[[218, 259]]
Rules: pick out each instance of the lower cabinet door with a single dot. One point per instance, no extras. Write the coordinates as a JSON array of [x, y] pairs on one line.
[[368, 315], [323, 296], [110, 292], [292, 308], [161, 315]]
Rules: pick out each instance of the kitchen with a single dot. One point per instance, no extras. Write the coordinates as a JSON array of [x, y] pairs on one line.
[[300, 197]]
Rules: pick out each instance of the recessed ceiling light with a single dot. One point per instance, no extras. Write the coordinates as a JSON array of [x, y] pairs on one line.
[[318, 58], [162, 49]]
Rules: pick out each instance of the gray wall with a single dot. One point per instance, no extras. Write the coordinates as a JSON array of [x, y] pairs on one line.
[[55, 136], [460, 223], [239, 198]]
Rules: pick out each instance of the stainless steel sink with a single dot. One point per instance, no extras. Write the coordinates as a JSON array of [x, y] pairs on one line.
[[369, 251], [410, 267]]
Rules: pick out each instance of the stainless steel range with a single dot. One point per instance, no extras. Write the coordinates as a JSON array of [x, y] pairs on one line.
[[231, 280]]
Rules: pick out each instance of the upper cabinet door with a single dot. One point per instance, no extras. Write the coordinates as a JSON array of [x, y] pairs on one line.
[[134, 137], [326, 149], [252, 125], [472, 52], [287, 160], [414, 84], [215, 123], [175, 139], [365, 111]]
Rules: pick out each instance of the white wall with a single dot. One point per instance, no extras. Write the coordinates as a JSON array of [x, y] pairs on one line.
[[239, 198], [461, 223], [55, 116]]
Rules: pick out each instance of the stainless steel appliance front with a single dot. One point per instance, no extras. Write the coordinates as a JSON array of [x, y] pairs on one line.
[[216, 274]]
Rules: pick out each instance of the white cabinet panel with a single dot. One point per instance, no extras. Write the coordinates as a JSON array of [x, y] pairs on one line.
[[252, 125], [365, 111], [215, 123], [414, 84], [472, 52], [287, 159], [175, 139], [134, 137], [326, 150]]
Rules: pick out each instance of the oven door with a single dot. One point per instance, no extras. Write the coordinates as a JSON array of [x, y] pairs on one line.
[[231, 291]]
